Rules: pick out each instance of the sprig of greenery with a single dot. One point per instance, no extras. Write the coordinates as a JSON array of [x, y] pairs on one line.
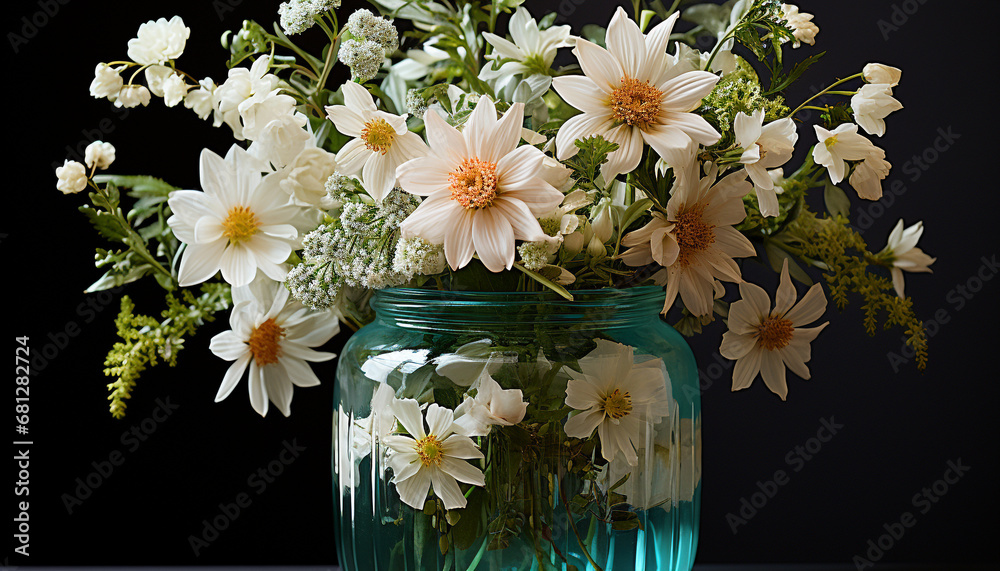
[[586, 164], [147, 340]]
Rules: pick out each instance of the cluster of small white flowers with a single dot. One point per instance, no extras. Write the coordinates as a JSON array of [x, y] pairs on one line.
[[364, 58], [418, 257], [297, 16], [364, 24], [314, 283], [534, 255], [99, 155], [72, 177], [416, 105], [338, 185], [374, 38]]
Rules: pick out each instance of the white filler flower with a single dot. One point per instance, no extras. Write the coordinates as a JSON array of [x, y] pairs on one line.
[[274, 336], [99, 154], [483, 191], [381, 140], [72, 177], [764, 340], [620, 398], [159, 41], [237, 225], [633, 92], [435, 456]]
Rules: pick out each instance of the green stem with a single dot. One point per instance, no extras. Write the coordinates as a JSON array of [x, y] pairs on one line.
[[479, 555], [576, 532], [824, 92]]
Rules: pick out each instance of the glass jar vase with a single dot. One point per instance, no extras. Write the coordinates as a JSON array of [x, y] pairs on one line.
[[516, 431]]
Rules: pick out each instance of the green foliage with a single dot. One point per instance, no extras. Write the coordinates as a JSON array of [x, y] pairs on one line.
[[146, 341], [586, 164], [736, 92], [844, 254]]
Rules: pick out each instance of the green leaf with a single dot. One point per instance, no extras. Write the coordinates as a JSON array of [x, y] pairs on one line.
[[545, 282], [113, 278], [836, 200], [594, 151], [634, 211], [776, 256], [111, 227], [594, 33], [141, 185]]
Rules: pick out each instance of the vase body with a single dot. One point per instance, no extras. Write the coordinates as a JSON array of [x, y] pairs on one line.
[[551, 500]]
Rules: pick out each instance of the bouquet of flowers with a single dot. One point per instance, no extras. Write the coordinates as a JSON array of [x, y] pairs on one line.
[[460, 157]]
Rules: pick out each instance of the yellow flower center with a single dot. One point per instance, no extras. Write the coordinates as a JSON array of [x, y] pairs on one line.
[[265, 342], [830, 142], [692, 233], [774, 333], [474, 183], [429, 449], [239, 225], [618, 404], [635, 103], [378, 135]]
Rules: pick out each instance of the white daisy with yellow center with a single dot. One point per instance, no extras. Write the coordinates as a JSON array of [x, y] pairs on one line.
[[618, 397], [237, 225], [764, 340], [633, 93], [274, 337], [381, 140], [435, 456]]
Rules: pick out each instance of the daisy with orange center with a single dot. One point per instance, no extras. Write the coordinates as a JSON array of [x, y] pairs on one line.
[[274, 337], [695, 241], [633, 93], [483, 191], [766, 341], [381, 140]]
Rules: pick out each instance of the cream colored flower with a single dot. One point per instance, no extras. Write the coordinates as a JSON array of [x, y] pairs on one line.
[[107, 81], [133, 96], [764, 147], [532, 50], [159, 41], [633, 93], [880, 73], [492, 405], [274, 336], [434, 456], [483, 191], [381, 140], [902, 252], [99, 154], [844, 144], [765, 341], [801, 24], [618, 397], [871, 104], [695, 240], [72, 177]]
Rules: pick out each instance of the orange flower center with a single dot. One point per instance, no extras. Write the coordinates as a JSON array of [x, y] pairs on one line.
[[240, 224], [692, 233], [474, 183], [774, 333], [635, 103], [430, 450], [378, 135], [265, 342], [618, 404]]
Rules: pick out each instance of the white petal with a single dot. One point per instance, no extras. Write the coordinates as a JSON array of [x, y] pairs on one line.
[[581, 92], [200, 262], [458, 240], [599, 65], [233, 376], [494, 239], [772, 369]]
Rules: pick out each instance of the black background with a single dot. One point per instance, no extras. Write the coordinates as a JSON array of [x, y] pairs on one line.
[[900, 427]]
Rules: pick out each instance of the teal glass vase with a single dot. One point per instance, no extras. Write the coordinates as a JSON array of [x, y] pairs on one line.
[[570, 428]]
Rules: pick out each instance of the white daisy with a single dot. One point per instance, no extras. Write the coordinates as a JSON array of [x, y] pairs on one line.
[[620, 398], [764, 340], [764, 147], [483, 191], [432, 456], [902, 252], [632, 93], [381, 140], [274, 336], [237, 225], [695, 240]]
